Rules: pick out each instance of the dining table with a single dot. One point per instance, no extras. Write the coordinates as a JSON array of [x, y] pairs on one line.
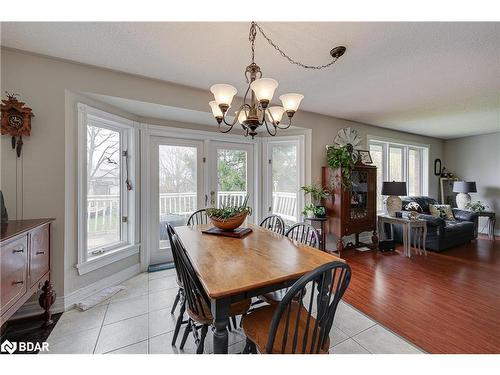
[[232, 269]]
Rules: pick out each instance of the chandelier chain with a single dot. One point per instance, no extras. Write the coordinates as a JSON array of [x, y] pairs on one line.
[[251, 37], [277, 48]]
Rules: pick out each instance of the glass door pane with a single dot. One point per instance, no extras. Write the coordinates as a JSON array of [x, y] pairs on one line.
[[231, 174], [284, 181], [231, 177], [176, 184]]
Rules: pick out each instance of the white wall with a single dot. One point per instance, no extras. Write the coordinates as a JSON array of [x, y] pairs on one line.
[[477, 159], [47, 170]]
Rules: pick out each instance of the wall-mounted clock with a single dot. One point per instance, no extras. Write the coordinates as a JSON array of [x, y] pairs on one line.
[[16, 121]]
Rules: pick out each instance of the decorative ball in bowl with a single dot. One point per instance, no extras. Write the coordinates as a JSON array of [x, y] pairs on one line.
[[228, 218]]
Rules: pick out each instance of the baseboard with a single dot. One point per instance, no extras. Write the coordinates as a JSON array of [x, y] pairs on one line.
[[73, 298], [67, 302]]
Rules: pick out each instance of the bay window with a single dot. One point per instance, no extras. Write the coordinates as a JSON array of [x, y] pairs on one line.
[[400, 161]]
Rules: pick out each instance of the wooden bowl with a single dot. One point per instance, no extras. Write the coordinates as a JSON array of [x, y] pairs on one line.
[[231, 223]]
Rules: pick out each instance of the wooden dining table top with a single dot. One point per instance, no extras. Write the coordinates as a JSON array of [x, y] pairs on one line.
[[227, 266]]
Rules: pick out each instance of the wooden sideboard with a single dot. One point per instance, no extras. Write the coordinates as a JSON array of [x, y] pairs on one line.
[[25, 266]]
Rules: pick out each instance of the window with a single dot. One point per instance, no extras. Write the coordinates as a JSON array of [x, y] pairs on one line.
[[398, 161], [106, 195]]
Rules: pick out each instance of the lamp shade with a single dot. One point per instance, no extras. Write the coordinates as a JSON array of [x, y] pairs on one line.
[[215, 109], [464, 187], [276, 112], [264, 88], [394, 188], [223, 93], [291, 102]]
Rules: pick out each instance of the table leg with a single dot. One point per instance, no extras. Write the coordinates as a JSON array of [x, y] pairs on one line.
[[425, 238], [220, 312], [491, 231], [408, 241]]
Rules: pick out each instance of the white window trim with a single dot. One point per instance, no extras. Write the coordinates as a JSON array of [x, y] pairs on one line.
[[407, 145], [129, 245]]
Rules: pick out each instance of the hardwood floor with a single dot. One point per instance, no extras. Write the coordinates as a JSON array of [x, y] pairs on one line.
[[444, 302]]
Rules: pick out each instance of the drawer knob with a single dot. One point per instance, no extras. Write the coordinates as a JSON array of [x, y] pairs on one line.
[[40, 252], [18, 250], [17, 282]]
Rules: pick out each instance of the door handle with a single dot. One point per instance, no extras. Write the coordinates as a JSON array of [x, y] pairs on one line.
[[18, 250], [212, 198], [206, 200], [40, 252], [17, 282]]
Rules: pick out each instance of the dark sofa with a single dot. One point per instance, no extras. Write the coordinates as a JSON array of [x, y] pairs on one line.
[[442, 234]]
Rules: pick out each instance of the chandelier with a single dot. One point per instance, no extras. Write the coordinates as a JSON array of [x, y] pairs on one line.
[[255, 110]]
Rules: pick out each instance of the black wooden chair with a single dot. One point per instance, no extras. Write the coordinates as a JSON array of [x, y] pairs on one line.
[[180, 292], [197, 301], [302, 321], [300, 232], [198, 217], [274, 223], [304, 233]]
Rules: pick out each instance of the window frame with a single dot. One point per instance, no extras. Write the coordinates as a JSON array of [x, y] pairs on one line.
[[127, 246], [386, 144]]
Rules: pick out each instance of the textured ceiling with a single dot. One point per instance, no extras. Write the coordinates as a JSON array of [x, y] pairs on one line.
[[436, 79]]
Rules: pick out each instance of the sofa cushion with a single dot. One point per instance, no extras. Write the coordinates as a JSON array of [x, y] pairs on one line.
[[423, 202], [441, 210], [458, 227]]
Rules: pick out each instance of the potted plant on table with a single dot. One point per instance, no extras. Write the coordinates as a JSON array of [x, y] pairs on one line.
[[228, 218], [318, 193]]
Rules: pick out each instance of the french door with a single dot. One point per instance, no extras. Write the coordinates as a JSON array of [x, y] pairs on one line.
[[231, 174], [187, 175], [176, 189]]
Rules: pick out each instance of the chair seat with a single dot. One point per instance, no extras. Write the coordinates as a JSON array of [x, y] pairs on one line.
[[257, 324], [237, 308]]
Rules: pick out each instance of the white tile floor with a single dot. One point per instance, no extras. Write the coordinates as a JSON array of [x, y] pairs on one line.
[[137, 320]]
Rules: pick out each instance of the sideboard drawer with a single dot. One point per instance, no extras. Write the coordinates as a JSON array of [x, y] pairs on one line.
[[14, 267], [39, 253]]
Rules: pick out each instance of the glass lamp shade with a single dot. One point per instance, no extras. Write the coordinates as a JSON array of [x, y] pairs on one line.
[[291, 102], [276, 112], [264, 88], [215, 109], [223, 93], [242, 116]]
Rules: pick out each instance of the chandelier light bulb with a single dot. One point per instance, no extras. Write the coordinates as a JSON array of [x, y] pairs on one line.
[[223, 95], [276, 112], [291, 102], [264, 89]]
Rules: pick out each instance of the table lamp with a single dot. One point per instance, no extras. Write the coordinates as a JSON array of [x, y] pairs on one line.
[[463, 188], [393, 202]]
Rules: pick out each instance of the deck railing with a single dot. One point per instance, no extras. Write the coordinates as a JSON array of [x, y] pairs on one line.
[[103, 211]]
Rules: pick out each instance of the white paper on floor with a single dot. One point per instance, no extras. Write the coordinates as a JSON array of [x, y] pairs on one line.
[[99, 297]]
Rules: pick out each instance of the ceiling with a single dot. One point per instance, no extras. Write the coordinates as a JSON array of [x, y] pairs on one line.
[[435, 79]]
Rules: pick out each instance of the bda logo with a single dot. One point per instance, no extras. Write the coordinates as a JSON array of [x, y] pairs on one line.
[[8, 347]]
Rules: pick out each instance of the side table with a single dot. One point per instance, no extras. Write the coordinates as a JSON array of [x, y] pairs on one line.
[[491, 223], [318, 223], [409, 226]]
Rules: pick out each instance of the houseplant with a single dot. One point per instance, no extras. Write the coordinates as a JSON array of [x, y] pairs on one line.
[[229, 218], [476, 206], [317, 192], [341, 157]]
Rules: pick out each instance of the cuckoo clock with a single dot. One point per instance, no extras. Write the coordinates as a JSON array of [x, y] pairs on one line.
[[16, 121]]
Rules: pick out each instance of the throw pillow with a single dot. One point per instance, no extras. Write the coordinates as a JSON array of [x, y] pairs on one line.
[[414, 206], [441, 210]]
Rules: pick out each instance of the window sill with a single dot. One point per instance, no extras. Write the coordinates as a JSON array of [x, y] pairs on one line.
[[109, 257]]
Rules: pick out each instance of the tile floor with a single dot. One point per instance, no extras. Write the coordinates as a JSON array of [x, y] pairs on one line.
[[137, 320]]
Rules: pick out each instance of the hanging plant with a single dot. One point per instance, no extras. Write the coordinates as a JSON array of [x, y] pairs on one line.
[[341, 158]]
